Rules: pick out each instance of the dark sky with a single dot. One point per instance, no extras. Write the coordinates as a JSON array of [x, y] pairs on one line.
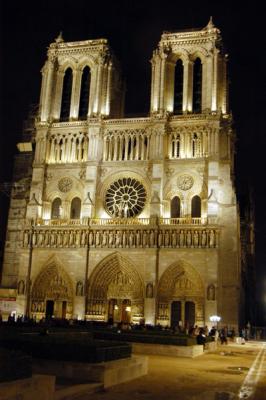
[[134, 29]]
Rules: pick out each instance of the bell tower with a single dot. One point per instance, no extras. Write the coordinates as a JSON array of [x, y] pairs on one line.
[[189, 73]]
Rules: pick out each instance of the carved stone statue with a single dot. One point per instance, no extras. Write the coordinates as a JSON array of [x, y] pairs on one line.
[[104, 240], [149, 290], [138, 238], [111, 239], [211, 238], [52, 238], [40, 238], [131, 239], [97, 238], [195, 238], [91, 238], [211, 292], [118, 239], [26, 239], [160, 239], [188, 238], [144, 239], [181, 239], [124, 239], [34, 239], [71, 238], [59, 239], [66, 237], [203, 239], [83, 238], [166, 239], [46, 238], [152, 238], [21, 287], [79, 289], [174, 242]]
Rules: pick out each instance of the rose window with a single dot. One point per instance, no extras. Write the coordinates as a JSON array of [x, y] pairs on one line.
[[125, 198]]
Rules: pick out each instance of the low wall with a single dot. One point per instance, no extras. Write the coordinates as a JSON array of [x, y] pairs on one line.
[[210, 346], [167, 350], [109, 373], [39, 387]]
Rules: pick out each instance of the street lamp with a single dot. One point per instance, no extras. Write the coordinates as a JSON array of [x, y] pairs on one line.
[[215, 318]]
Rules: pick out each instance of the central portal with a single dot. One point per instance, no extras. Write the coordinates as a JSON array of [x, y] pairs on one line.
[[119, 310], [56, 309]]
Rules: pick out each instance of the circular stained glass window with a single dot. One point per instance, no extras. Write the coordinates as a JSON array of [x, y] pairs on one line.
[[125, 198]]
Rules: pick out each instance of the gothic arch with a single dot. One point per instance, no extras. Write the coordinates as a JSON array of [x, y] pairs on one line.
[[199, 53], [68, 62], [52, 281], [115, 276], [180, 279], [182, 55], [52, 285], [86, 62]]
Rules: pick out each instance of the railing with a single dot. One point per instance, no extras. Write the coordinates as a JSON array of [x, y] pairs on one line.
[[61, 222], [124, 221], [119, 221], [183, 221]]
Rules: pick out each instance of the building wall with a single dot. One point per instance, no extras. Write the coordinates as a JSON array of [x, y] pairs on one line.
[[149, 257]]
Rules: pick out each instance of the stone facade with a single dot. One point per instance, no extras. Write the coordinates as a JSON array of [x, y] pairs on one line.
[[129, 218]]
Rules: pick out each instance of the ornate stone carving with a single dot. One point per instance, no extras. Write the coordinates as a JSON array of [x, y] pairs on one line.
[[185, 182], [125, 197], [65, 185]]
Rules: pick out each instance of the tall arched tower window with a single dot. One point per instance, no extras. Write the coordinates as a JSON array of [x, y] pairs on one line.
[[175, 207], [197, 86], [178, 88], [84, 93], [196, 207], [175, 146], [66, 95], [194, 145], [75, 208], [56, 208]]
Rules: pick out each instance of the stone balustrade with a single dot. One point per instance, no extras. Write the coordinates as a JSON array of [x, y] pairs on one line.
[[123, 221]]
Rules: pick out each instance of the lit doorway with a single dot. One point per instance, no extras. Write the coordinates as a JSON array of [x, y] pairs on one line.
[[49, 312], [119, 310], [190, 313], [176, 315]]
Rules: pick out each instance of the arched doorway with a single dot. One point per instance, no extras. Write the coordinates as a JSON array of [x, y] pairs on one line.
[[180, 296], [52, 293], [116, 291]]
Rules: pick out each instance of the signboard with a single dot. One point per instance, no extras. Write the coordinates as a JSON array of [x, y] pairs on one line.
[[7, 304]]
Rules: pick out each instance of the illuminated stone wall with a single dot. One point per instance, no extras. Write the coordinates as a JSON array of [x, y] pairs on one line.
[[122, 247]]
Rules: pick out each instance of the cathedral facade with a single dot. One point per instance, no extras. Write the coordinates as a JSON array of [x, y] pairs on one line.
[[129, 219]]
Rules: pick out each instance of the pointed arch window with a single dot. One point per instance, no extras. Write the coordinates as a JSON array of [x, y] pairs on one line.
[[194, 145], [84, 93], [175, 207], [178, 87], [75, 208], [175, 146], [196, 207], [66, 95], [56, 211], [197, 86]]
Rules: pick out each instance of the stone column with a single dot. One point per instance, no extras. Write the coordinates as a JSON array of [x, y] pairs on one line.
[[162, 82], [98, 91], [47, 90], [58, 95], [75, 96], [109, 89], [215, 81]]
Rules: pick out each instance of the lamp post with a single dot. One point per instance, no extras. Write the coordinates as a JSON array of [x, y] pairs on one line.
[[215, 318]]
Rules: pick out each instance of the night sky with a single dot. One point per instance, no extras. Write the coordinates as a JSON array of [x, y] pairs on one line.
[[133, 29]]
